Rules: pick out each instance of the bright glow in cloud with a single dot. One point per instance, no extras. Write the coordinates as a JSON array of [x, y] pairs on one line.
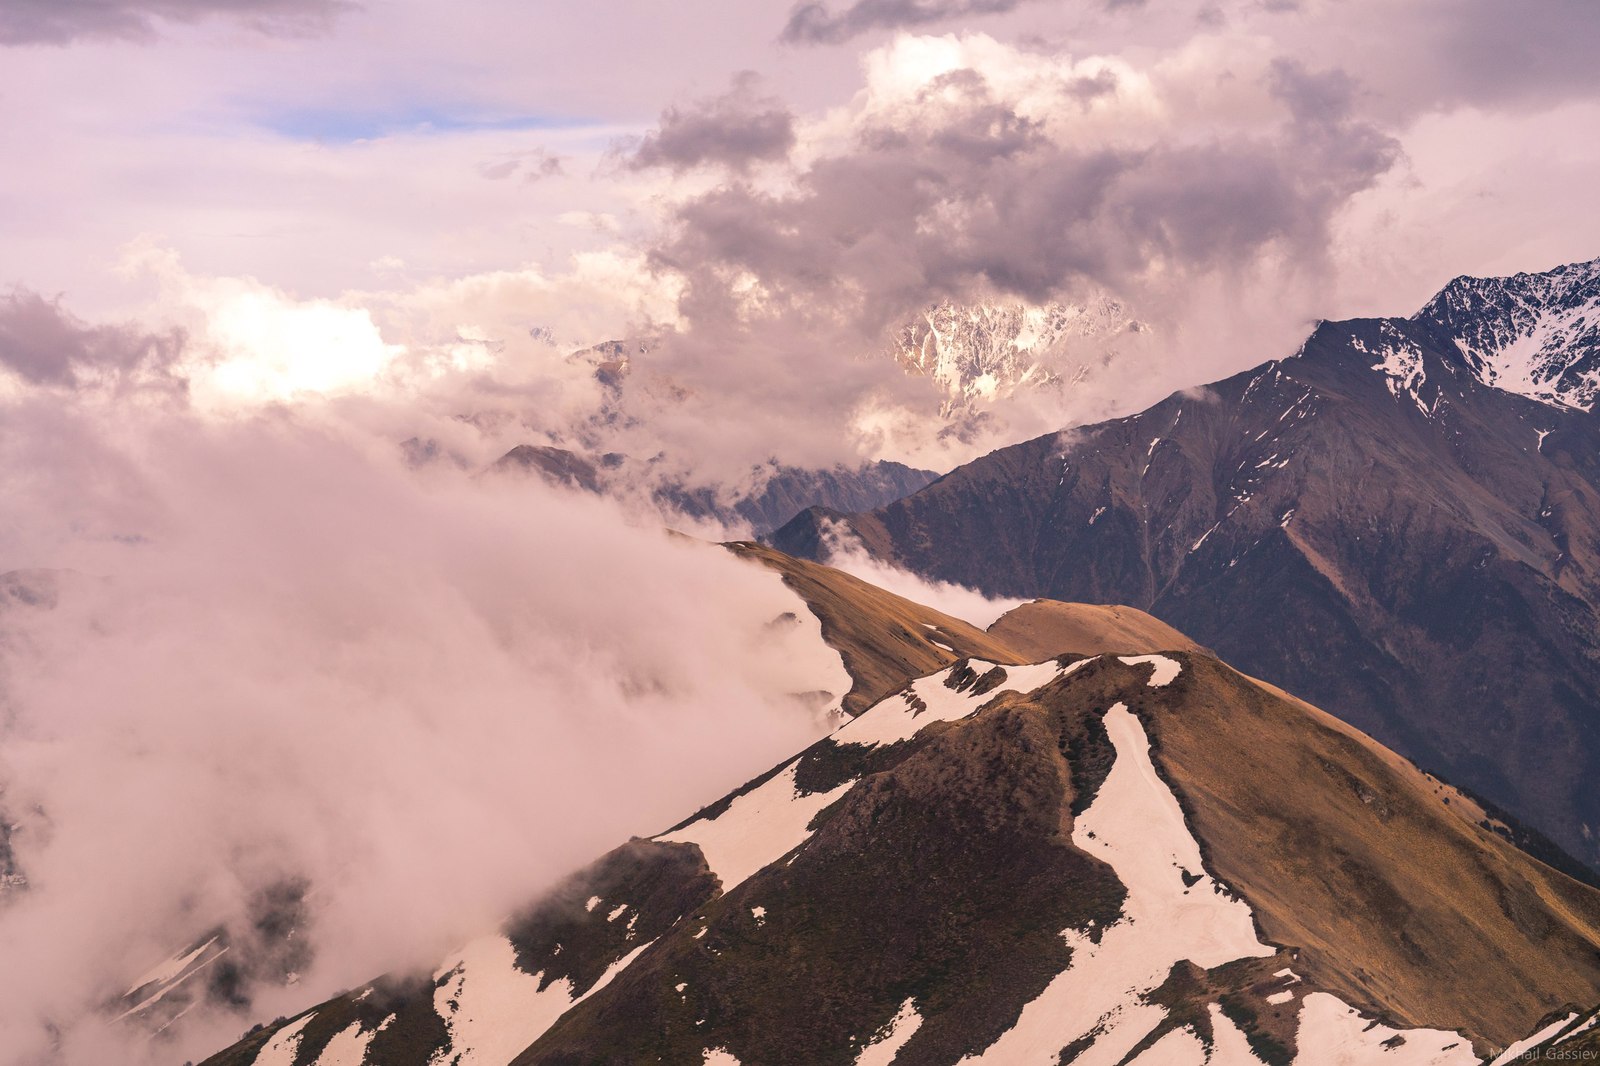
[[276, 349]]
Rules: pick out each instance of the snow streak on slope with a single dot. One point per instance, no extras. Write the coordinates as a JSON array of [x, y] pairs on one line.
[[1180, 1047], [757, 829], [1134, 824], [174, 966], [169, 976], [902, 1027], [1514, 1052], [1335, 1034]]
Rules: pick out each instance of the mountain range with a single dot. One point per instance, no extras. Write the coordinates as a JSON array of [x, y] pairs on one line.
[[1125, 853], [1400, 522], [775, 494]]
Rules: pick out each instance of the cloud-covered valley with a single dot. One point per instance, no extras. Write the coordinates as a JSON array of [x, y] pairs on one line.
[[258, 649]]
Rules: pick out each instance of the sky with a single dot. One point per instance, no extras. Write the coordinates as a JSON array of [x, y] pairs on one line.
[[440, 203], [281, 279]]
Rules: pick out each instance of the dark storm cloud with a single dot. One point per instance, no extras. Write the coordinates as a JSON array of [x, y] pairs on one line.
[[60, 22], [735, 129], [816, 23], [45, 345], [971, 196], [1312, 97]]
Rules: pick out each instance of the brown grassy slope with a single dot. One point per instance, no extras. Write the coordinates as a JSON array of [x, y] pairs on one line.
[[1374, 869], [883, 638], [1045, 628], [885, 641]]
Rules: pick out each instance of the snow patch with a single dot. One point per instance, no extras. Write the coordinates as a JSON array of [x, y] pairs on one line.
[[494, 1010], [1165, 670], [716, 1056], [1333, 1033], [758, 828], [903, 715], [281, 1049], [594, 901], [1280, 997], [1135, 825], [1229, 1045], [1400, 363], [349, 1045]]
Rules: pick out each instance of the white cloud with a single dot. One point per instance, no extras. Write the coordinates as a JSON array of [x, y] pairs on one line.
[[281, 653], [846, 552]]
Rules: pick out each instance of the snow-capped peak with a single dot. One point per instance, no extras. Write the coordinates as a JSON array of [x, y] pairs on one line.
[[1537, 335], [980, 352]]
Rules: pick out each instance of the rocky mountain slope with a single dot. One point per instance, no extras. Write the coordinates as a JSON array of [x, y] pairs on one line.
[[1114, 858], [1400, 522]]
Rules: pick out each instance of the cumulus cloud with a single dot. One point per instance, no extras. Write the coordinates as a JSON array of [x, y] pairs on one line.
[[60, 22], [971, 170], [276, 654], [817, 23], [735, 129]]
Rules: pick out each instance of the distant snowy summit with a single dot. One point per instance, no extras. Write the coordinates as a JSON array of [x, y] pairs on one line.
[[979, 353]]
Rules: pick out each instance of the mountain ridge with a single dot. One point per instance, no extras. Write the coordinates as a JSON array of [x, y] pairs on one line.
[[1366, 523], [1147, 858]]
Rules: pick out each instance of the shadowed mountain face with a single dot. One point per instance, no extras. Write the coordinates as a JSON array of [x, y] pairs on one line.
[[1148, 859], [1401, 523]]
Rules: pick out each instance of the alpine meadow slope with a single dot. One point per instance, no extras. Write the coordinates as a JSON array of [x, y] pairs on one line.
[[1399, 522]]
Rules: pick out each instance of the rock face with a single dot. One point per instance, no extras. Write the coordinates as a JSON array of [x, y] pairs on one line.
[[1401, 523], [1117, 858]]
